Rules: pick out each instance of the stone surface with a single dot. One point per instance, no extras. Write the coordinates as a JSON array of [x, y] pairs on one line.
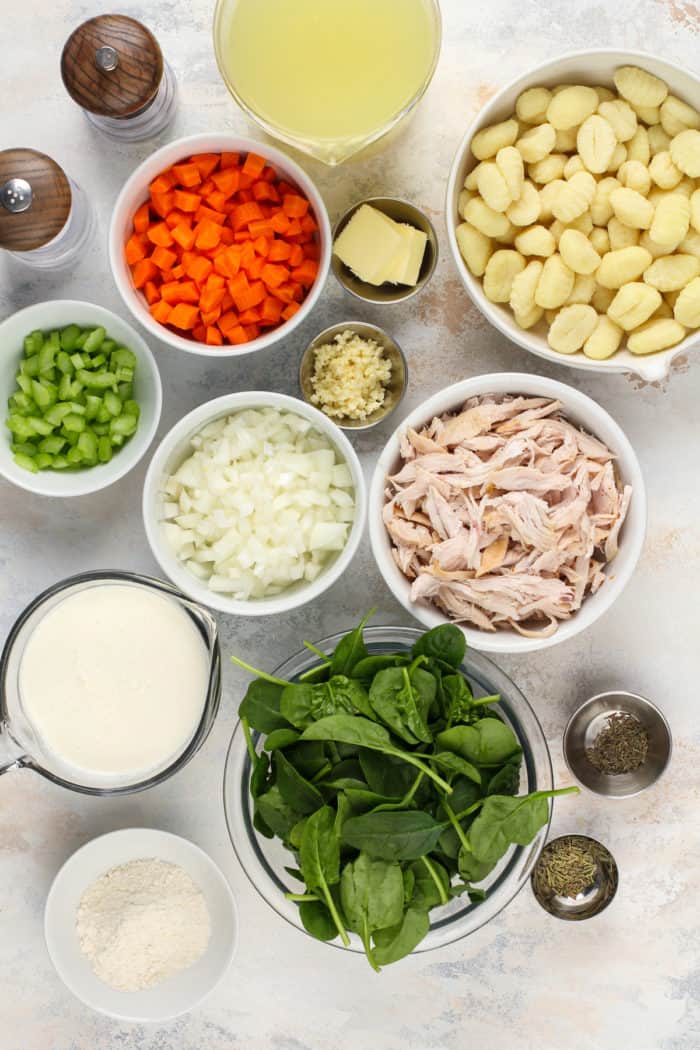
[[628, 978]]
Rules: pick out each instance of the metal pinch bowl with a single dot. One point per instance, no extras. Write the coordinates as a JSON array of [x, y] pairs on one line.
[[398, 380], [584, 726], [591, 901], [400, 211]]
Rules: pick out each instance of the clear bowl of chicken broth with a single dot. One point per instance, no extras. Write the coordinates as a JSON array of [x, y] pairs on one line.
[[153, 680], [563, 604], [264, 861]]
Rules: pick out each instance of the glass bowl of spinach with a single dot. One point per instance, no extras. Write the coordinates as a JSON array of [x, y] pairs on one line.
[[386, 791]]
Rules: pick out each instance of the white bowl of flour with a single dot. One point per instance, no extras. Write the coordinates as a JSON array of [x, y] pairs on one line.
[[140, 924]]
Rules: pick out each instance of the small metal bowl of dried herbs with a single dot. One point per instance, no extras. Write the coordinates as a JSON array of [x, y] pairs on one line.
[[617, 744], [575, 877]]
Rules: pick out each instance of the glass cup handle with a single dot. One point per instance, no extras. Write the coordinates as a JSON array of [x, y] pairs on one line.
[[11, 755]]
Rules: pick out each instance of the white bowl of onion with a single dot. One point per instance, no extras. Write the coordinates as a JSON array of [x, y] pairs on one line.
[[592, 68], [254, 503]]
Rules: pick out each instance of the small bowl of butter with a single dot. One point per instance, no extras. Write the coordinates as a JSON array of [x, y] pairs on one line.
[[384, 250]]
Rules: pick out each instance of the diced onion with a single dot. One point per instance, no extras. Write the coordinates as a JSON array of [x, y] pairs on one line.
[[262, 503]]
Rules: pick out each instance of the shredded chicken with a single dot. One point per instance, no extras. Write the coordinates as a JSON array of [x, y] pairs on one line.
[[505, 515]]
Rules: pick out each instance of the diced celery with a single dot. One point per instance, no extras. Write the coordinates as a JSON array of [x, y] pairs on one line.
[[40, 426], [74, 424], [103, 415], [43, 460], [52, 444], [97, 380], [24, 383], [92, 406], [69, 336], [20, 400], [125, 425], [104, 450], [125, 391], [59, 463], [107, 346], [87, 446], [123, 358], [112, 403], [57, 413], [80, 341], [64, 388], [118, 440], [33, 343], [131, 408], [46, 358], [94, 340], [30, 367], [63, 363], [45, 393], [20, 426], [26, 462], [77, 408], [100, 428], [26, 447], [77, 360], [96, 361], [125, 375], [74, 456]]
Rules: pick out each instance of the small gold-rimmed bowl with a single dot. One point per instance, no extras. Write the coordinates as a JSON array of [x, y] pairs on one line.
[[398, 380], [594, 898], [400, 211], [589, 719]]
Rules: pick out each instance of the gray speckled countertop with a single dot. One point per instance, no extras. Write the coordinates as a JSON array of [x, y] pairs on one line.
[[629, 979]]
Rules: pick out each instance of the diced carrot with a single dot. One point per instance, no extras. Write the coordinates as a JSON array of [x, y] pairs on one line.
[[150, 290], [161, 311], [204, 212], [142, 218], [229, 160], [215, 281], [295, 206], [184, 316], [246, 213], [206, 162], [144, 270], [188, 175], [213, 336], [159, 234], [296, 255], [274, 275], [265, 191], [227, 235], [252, 331], [254, 165], [237, 335], [247, 254], [244, 196], [262, 245], [211, 299], [285, 292], [163, 258], [162, 183], [184, 235], [309, 224], [280, 251], [217, 201], [186, 201], [228, 321], [227, 302], [294, 228], [134, 250], [271, 311], [261, 228], [247, 181], [175, 217], [312, 251], [269, 174], [208, 235], [279, 223], [255, 268], [170, 291], [251, 316], [199, 269], [250, 297], [227, 181], [238, 284], [210, 316], [199, 333], [206, 188], [290, 310], [163, 203], [176, 273], [306, 273]]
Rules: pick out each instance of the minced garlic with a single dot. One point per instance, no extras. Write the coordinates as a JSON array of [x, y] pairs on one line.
[[350, 377]]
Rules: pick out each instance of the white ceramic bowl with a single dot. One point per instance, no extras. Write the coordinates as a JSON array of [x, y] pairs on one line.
[[177, 994], [579, 409], [147, 391], [579, 67], [176, 446], [135, 192]]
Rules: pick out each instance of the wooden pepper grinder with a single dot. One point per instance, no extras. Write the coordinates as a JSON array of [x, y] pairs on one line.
[[45, 218], [112, 66]]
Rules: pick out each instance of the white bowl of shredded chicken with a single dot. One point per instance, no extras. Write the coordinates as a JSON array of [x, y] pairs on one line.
[[511, 504]]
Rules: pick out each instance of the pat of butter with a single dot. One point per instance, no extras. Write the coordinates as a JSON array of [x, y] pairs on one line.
[[368, 244], [406, 264]]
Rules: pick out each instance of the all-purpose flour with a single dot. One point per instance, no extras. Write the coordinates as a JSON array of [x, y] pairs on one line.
[[142, 922]]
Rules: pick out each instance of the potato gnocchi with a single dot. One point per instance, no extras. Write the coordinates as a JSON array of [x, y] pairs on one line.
[[582, 213]]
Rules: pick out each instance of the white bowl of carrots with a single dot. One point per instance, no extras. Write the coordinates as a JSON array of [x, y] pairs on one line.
[[219, 245]]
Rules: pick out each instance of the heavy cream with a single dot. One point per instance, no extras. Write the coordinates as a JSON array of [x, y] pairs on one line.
[[113, 681]]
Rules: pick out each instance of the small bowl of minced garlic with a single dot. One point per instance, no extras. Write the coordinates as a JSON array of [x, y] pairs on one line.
[[354, 373]]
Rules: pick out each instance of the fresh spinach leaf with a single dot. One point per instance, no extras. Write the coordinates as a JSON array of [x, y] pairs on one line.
[[505, 820], [258, 778], [506, 780], [319, 860], [371, 895], [261, 706], [350, 650], [446, 643], [471, 868], [393, 835], [370, 665], [396, 942], [386, 774], [294, 788], [276, 812], [432, 884], [396, 700], [303, 704], [488, 742], [317, 920], [280, 738], [456, 764]]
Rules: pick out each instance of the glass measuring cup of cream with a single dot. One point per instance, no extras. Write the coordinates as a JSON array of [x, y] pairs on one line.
[[327, 76], [109, 683]]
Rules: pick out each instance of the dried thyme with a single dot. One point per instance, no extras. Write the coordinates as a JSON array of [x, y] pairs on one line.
[[621, 747], [566, 868]]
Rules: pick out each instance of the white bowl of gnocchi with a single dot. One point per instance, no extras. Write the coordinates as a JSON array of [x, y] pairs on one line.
[[573, 211]]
